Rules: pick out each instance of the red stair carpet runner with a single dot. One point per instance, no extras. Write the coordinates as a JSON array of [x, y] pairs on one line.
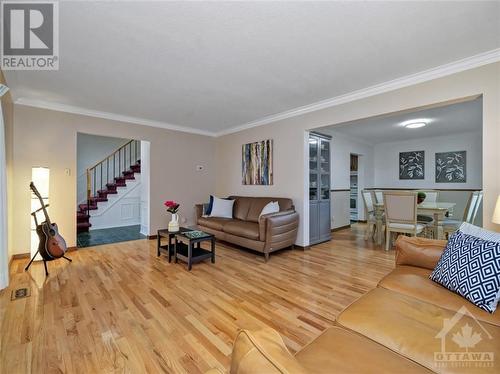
[[82, 218]]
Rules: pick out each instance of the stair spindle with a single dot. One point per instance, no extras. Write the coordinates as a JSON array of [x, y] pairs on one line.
[[93, 195]]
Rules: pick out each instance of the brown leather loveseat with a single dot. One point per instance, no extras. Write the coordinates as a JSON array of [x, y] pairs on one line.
[[407, 324], [266, 234]]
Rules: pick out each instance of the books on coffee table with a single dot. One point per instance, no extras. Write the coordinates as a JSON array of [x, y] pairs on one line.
[[195, 234]]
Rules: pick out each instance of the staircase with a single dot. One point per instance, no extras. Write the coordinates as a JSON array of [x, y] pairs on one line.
[[105, 177]]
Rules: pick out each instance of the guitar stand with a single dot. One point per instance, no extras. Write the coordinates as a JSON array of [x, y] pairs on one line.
[[44, 263], [38, 251]]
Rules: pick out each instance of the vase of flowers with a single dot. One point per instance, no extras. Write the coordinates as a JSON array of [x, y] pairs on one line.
[[173, 207]]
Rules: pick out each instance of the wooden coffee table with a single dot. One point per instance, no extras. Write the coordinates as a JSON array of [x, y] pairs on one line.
[[170, 235], [188, 249]]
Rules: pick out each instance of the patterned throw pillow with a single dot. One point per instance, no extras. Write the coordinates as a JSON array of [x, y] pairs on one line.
[[470, 266]]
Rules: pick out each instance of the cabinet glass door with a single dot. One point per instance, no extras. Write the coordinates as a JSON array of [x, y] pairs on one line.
[[313, 186], [313, 154], [324, 165], [325, 156], [313, 168]]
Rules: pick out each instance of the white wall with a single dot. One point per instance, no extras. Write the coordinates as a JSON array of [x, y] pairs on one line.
[[174, 156], [387, 161], [4, 252], [91, 149], [290, 175], [145, 188], [8, 123]]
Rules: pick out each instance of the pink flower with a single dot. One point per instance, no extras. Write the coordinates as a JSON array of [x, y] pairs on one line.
[[172, 206]]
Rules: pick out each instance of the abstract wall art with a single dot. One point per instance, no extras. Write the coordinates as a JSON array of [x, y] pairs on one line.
[[412, 165], [257, 163], [451, 167]]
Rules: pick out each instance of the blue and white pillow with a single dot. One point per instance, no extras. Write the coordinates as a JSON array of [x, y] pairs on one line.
[[207, 208], [470, 266]]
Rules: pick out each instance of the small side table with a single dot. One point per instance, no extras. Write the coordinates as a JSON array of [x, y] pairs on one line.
[[189, 249], [164, 233]]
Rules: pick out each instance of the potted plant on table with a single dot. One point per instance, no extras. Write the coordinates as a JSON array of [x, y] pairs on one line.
[[173, 207], [421, 197]]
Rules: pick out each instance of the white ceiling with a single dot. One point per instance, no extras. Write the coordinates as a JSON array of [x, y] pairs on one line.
[[213, 66], [449, 119]]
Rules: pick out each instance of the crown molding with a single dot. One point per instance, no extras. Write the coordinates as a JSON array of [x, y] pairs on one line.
[[468, 63], [108, 115]]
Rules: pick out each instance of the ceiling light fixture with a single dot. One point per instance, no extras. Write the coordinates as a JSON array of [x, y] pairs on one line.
[[415, 125]]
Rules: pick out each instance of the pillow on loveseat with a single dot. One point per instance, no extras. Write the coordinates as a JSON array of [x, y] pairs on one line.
[[222, 208], [470, 266], [271, 207]]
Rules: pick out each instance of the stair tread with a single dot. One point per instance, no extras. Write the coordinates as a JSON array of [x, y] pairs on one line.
[[98, 199]]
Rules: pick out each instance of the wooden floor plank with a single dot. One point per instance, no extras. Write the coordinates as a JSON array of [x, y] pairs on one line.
[[119, 308]]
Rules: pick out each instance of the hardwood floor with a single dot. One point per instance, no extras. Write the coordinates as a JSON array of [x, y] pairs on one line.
[[119, 308]]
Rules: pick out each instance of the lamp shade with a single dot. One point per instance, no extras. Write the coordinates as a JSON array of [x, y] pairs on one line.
[[496, 213]]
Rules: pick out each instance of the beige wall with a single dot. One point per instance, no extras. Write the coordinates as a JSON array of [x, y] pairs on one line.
[[48, 138], [8, 114], [290, 180]]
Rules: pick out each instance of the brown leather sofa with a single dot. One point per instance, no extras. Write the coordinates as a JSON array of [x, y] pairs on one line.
[[397, 327], [266, 234]]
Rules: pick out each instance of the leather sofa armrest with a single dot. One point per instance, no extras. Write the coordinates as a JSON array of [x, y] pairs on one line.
[[262, 351], [263, 221], [199, 211], [419, 252]]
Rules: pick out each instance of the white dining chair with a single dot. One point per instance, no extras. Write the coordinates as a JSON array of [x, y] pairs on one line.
[[379, 196], [431, 196], [470, 213], [401, 214], [371, 224]]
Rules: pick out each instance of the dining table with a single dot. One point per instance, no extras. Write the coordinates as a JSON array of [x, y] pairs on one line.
[[436, 210]]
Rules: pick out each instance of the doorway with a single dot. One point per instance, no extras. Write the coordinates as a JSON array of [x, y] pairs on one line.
[[113, 189], [353, 189]]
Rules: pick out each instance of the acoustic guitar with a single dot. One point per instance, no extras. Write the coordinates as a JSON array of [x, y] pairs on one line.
[[52, 245]]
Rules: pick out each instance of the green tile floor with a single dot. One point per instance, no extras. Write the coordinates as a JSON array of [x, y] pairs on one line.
[[107, 236]]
